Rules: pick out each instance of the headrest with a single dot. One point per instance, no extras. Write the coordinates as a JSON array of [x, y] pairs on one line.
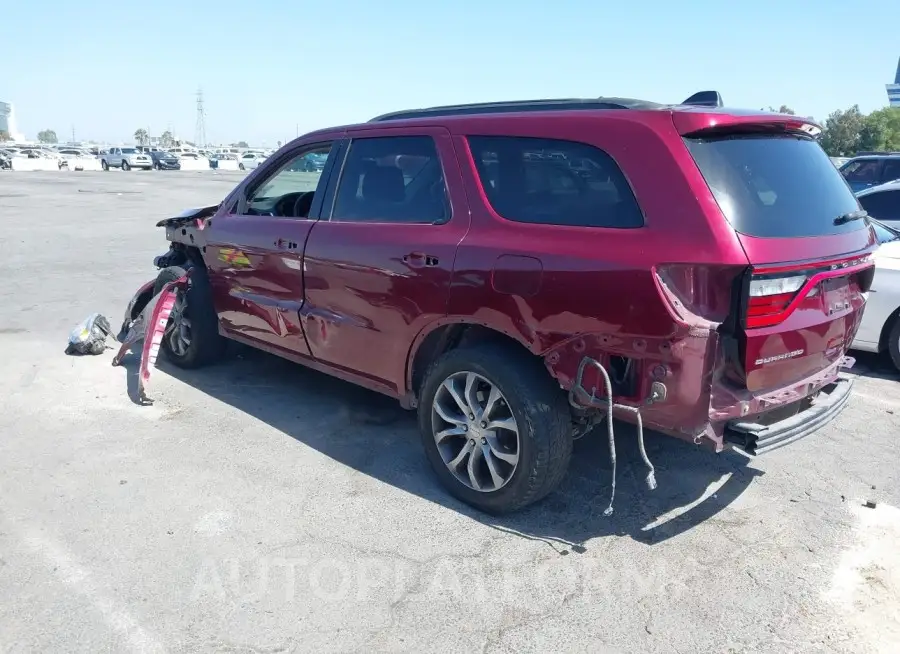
[[383, 184]]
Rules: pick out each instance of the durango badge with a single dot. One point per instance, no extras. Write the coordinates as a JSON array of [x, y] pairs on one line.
[[779, 357]]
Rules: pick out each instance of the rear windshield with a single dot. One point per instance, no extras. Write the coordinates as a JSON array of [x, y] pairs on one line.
[[779, 186]]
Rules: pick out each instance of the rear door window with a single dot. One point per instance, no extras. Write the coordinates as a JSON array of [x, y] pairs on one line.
[[554, 182], [777, 186], [883, 205]]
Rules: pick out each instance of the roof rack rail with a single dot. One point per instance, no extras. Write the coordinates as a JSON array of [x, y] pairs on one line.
[[703, 99], [515, 106]]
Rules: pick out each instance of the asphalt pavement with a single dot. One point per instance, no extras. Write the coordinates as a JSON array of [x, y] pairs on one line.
[[260, 507]]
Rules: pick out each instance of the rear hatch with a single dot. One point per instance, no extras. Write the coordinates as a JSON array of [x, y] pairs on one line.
[[799, 305]]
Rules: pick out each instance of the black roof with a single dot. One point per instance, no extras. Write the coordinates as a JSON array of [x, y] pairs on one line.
[[703, 98]]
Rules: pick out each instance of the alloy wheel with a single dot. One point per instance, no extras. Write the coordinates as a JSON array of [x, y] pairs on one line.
[[475, 431]]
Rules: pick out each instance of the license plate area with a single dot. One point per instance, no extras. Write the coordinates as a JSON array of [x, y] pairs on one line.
[[836, 295]]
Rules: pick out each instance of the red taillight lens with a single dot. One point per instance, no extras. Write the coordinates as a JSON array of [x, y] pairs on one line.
[[770, 296]]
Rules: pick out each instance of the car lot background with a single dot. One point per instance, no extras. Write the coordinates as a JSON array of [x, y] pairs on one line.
[[258, 506]]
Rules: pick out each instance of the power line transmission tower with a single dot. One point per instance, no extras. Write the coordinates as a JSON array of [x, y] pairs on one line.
[[200, 128]]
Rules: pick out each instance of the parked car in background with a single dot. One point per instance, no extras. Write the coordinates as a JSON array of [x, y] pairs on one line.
[[75, 158], [163, 160], [871, 170], [126, 159], [250, 160], [882, 202], [839, 161], [880, 328], [689, 275]]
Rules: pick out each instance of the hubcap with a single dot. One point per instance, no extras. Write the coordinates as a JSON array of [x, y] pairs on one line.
[[475, 431], [178, 331]]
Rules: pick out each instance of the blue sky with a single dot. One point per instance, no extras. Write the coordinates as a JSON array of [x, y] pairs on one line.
[[269, 68]]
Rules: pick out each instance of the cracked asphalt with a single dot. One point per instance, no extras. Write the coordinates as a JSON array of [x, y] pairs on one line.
[[260, 507]]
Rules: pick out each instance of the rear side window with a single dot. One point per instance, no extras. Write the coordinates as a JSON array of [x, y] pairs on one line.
[[554, 182], [777, 186], [883, 205]]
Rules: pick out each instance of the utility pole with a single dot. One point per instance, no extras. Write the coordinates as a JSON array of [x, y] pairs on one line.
[[200, 128], [73, 134]]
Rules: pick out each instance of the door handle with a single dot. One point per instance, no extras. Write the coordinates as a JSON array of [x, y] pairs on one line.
[[285, 244], [419, 259]]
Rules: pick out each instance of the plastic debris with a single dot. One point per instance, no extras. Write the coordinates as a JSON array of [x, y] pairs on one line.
[[90, 336]]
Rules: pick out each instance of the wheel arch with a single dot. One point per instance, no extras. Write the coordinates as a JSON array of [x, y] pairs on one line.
[[442, 336], [886, 330]]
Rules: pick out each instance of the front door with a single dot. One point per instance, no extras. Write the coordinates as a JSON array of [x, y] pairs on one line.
[[378, 264], [255, 251]]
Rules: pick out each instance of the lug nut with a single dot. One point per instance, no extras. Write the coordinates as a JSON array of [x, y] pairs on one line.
[[484, 441], [471, 416], [465, 428], [483, 424]]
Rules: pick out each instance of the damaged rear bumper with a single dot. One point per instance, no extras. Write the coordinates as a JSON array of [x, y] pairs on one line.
[[755, 438]]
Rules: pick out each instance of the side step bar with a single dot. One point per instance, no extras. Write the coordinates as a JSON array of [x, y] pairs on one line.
[[755, 439]]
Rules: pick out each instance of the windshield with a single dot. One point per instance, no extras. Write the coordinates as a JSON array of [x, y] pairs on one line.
[[129, 151], [780, 186]]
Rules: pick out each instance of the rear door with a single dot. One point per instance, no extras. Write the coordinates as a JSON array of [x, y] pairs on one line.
[[254, 250], [807, 243], [378, 264]]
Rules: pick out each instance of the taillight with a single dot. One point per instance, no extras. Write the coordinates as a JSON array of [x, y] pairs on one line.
[[770, 297], [775, 291]]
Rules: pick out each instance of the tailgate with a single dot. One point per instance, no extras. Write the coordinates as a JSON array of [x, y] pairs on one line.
[[808, 247]]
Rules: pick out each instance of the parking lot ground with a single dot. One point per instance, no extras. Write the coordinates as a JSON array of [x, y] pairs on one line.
[[260, 507]]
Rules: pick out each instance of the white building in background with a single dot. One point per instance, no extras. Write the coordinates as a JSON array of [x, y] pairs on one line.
[[893, 90], [8, 121]]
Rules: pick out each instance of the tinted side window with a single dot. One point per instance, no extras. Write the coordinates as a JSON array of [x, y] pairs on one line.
[[553, 182], [891, 170], [884, 205], [866, 170], [396, 179]]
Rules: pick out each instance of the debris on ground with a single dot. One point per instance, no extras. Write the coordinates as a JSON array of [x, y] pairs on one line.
[[89, 337]]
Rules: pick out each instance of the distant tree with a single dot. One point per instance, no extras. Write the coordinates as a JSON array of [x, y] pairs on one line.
[[4, 135], [240, 144], [141, 137], [783, 109], [47, 136], [279, 144], [843, 131], [881, 130], [166, 140]]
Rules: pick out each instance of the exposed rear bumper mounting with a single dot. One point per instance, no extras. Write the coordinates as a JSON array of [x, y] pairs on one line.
[[755, 439]]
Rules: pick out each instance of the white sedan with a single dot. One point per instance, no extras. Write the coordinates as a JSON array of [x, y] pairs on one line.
[[250, 160], [880, 328]]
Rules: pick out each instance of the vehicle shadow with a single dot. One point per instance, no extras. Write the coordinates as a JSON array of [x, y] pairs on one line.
[[370, 433], [874, 366]]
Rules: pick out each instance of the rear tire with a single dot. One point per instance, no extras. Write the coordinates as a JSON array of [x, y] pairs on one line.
[[200, 343], [526, 398], [894, 343]]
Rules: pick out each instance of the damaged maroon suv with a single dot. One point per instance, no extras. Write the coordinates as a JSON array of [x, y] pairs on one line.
[[517, 271]]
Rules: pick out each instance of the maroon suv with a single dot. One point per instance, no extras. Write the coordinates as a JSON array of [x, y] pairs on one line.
[[513, 269]]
